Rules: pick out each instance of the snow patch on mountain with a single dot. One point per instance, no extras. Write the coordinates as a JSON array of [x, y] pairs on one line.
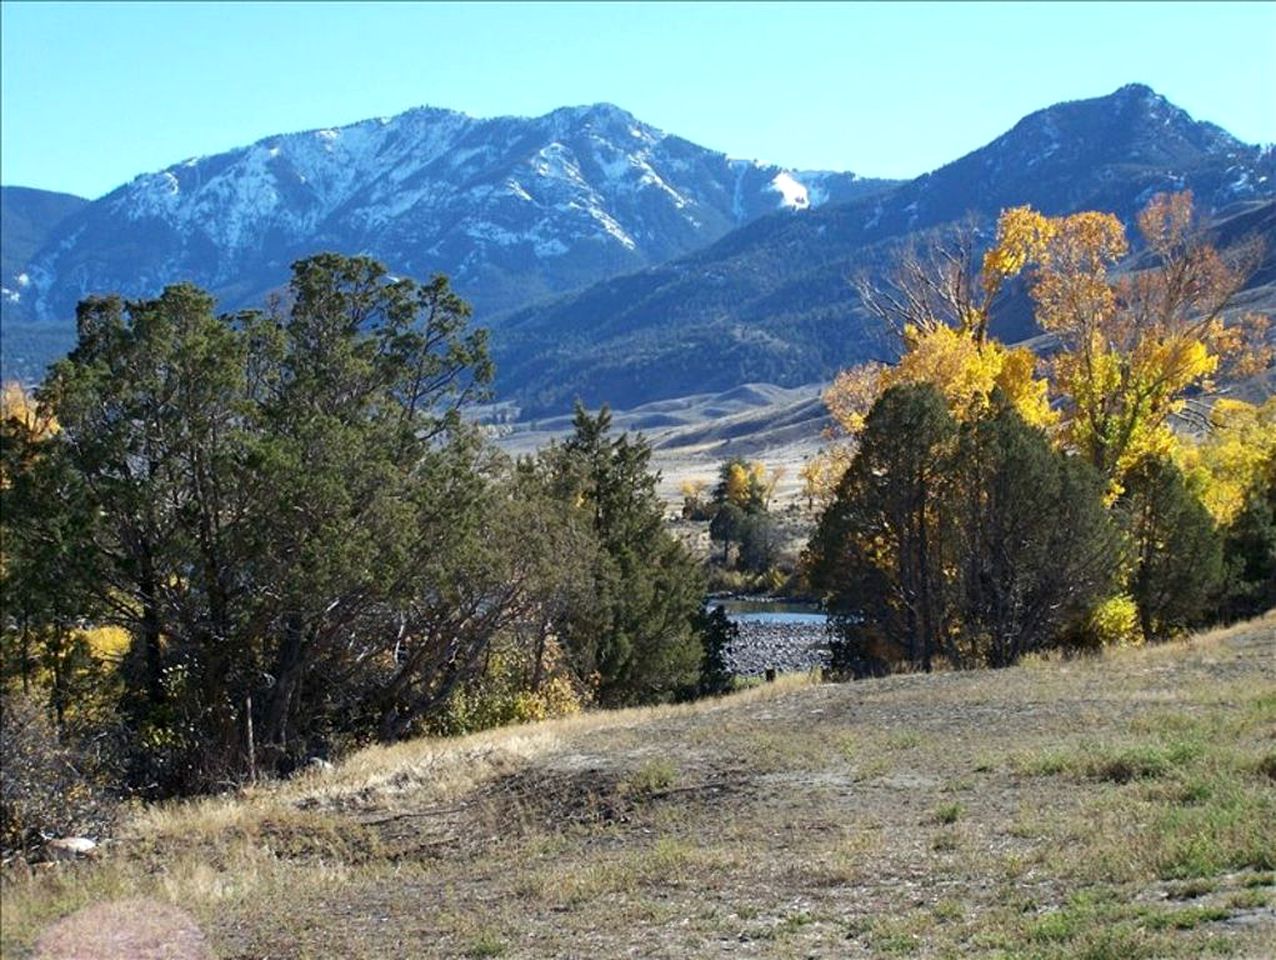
[[541, 204], [792, 194]]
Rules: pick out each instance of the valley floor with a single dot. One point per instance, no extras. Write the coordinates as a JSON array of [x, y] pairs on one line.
[[1121, 806]]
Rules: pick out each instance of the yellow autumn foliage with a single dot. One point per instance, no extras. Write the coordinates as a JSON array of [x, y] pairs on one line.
[[823, 472], [1114, 623], [738, 487], [107, 643], [1232, 456], [1022, 234], [851, 395], [17, 404], [967, 373], [1134, 345], [957, 356]]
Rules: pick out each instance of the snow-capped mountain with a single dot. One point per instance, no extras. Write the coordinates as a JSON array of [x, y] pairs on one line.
[[27, 218], [771, 301], [511, 209]]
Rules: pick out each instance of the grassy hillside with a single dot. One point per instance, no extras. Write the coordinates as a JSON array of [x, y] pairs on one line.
[[1115, 807]]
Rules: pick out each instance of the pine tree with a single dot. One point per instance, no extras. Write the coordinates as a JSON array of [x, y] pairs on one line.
[[638, 637], [1177, 550]]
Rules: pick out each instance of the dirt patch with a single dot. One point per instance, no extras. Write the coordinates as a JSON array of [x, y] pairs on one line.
[[139, 929], [598, 796]]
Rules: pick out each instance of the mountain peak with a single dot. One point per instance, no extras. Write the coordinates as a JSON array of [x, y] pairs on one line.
[[512, 208], [604, 118], [1137, 91], [600, 110]]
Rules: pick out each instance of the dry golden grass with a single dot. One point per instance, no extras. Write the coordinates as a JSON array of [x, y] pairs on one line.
[[1122, 806]]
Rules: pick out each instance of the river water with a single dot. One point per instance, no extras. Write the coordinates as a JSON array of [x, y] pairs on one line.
[[771, 611]]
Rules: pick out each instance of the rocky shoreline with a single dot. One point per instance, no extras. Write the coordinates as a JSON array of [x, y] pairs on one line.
[[784, 647]]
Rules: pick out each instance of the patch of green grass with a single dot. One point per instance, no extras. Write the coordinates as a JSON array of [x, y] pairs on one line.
[[1047, 762], [792, 923], [654, 776], [1143, 761], [486, 945], [1234, 829], [949, 813], [1054, 927], [1083, 910], [904, 740], [1114, 763], [948, 911], [848, 745], [1186, 918], [1248, 900]]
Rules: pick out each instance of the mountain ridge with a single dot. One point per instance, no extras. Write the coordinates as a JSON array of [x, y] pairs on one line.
[[650, 266], [512, 209], [771, 302]]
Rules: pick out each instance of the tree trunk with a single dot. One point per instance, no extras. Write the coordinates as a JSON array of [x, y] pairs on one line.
[[152, 640]]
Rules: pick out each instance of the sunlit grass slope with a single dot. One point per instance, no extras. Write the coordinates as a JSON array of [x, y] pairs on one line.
[[1115, 807]]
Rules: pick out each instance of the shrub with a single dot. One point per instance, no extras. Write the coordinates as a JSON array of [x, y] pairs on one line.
[[503, 695], [1114, 622], [48, 787]]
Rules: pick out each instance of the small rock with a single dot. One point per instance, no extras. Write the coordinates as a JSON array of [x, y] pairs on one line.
[[69, 848]]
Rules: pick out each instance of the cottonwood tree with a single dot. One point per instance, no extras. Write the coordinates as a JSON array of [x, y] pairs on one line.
[[1136, 342]]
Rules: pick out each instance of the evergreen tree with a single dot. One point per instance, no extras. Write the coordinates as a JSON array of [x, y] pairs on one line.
[[718, 633], [727, 526], [1177, 550], [288, 512], [1037, 547], [976, 542], [637, 638], [880, 551]]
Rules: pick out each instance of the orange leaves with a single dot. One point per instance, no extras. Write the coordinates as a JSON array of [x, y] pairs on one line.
[[1072, 289], [1131, 345], [1243, 346], [1166, 223]]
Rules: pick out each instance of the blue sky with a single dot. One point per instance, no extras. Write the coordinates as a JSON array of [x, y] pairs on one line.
[[93, 94]]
